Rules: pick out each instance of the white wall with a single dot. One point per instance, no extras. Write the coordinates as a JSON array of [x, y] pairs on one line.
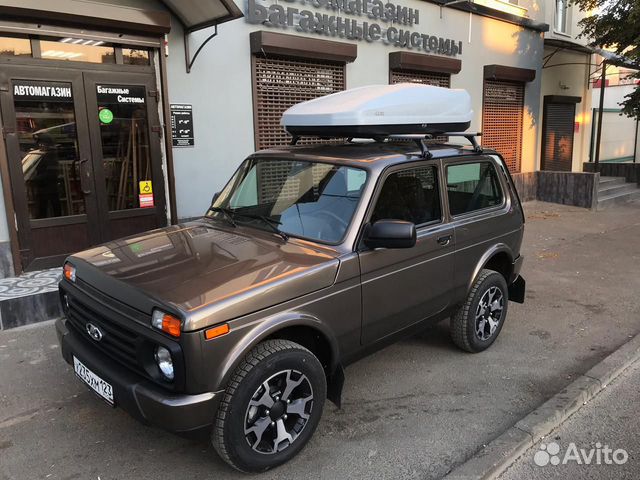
[[619, 138], [219, 87]]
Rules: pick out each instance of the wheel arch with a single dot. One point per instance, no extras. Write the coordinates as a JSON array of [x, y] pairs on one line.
[[498, 258], [304, 329]]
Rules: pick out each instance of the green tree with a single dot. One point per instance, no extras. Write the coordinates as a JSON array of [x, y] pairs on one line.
[[615, 25]]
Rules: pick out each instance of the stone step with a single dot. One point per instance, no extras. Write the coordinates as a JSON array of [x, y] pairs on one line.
[[611, 181], [613, 188], [607, 201], [30, 298]]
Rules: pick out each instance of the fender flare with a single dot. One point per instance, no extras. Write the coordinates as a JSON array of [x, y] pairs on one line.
[[484, 259], [268, 327]]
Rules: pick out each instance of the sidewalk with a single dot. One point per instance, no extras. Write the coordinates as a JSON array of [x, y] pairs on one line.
[[605, 432]]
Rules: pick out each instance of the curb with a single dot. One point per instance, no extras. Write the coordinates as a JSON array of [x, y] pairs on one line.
[[494, 458]]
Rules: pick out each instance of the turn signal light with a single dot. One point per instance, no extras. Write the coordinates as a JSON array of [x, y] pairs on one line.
[[69, 272], [216, 331], [165, 322]]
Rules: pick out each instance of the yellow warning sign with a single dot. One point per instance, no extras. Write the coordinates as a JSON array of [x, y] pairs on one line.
[[145, 187]]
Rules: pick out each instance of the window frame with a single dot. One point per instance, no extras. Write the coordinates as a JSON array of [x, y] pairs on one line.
[[479, 211], [382, 178], [557, 27]]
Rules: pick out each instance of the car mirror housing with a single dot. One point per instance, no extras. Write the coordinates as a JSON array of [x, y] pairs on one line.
[[390, 234]]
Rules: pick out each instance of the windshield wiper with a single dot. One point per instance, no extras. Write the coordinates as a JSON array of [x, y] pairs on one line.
[[272, 223], [228, 214]]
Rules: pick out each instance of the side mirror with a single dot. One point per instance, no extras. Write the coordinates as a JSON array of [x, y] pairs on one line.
[[215, 197], [390, 234]]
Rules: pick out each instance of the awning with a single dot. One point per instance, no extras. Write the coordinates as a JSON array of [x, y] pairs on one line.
[[198, 14], [615, 59]]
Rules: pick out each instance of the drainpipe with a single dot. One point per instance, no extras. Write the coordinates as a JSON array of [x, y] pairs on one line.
[[603, 84]]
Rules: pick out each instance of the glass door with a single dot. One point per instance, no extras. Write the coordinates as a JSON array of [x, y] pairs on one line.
[[49, 157], [125, 139]]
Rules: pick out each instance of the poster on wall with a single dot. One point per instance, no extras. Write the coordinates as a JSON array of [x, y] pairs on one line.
[[182, 125]]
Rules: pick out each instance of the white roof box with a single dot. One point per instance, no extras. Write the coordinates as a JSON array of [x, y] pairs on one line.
[[381, 110]]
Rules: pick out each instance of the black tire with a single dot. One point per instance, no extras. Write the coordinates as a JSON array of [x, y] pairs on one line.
[[274, 363], [467, 330]]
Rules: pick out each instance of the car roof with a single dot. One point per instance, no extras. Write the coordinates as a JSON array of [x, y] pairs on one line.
[[370, 155]]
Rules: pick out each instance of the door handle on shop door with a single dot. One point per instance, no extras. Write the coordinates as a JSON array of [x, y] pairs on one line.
[[85, 176], [444, 241]]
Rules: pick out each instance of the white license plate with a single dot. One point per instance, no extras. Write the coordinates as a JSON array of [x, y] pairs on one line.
[[98, 385]]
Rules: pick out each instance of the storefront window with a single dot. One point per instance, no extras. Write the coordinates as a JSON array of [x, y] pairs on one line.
[[78, 50], [49, 148], [124, 136], [132, 56], [15, 47]]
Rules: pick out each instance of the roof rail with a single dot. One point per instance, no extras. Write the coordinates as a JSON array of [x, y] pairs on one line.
[[419, 139]]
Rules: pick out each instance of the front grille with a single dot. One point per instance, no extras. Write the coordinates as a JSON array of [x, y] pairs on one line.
[[118, 342]]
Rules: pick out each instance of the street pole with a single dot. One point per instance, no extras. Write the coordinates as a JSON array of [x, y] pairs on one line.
[[603, 84]]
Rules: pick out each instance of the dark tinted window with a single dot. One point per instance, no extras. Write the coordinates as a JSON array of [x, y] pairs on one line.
[[410, 195], [472, 186]]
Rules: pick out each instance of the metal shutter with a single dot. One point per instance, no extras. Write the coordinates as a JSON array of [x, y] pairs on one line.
[[280, 83], [427, 78], [502, 111], [557, 137]]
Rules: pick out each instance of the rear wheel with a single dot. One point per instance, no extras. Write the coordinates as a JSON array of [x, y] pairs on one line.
[[271, 406], [478, 322]]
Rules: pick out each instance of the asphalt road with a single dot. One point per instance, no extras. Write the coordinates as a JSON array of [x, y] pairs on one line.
[[414, 410], [603, 435]]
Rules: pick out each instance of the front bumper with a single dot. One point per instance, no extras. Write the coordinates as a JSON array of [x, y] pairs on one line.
[[189, 415]]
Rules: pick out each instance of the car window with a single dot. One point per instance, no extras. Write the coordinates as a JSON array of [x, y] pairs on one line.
[[307, 199], [472, 186], [411, 195]]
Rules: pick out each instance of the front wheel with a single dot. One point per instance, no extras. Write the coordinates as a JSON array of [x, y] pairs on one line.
[[478, 322], [271, 406]]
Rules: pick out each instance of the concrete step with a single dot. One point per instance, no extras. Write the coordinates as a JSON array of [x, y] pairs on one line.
[[32, 297], [607, 181], [613, 188], [606, 201]]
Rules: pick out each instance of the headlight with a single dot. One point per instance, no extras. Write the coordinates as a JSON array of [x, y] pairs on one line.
[[165, 322], [165, 362]]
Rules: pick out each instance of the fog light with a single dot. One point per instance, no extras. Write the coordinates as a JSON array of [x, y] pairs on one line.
[[69, 272], [165, 362]]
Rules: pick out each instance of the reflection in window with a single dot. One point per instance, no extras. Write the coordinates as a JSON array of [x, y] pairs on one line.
[[472, 186], [78, 50], [124, 136], [561, 16], [49, 148], [132, 56], [15, 47]]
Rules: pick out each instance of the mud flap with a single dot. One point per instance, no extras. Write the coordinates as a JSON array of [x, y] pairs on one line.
[[335, 382], [517, 290]]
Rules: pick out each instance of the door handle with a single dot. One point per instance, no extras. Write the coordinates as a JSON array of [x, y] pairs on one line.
[[444, 241], [85, 176]]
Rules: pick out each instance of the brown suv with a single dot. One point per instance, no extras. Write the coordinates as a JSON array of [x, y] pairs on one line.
[[239, 324]]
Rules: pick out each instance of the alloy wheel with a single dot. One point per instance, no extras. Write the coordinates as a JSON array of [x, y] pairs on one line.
[[489, 313], [278, 411]]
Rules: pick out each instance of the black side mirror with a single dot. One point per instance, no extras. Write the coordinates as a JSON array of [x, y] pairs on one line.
[[215, 197], [390, 234]]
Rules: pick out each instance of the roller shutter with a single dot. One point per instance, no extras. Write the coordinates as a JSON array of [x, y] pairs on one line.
[[557, 141], [426, 78], [502, 112]]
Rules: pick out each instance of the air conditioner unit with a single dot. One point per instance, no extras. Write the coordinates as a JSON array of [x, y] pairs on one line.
[[381, 110]]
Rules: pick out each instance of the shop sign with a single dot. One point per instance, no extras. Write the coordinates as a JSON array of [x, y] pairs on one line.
[[42, 91], [182, 125], [385, 22], [117, 94]]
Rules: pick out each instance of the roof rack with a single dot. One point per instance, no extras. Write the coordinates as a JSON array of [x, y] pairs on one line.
[[420, 140]]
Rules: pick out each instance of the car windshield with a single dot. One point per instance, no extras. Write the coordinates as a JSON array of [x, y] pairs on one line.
[[302, 198]]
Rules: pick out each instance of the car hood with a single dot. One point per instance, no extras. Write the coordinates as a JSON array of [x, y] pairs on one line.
[[205, 270]]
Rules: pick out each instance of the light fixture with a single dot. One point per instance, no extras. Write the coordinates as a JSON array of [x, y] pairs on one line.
[[165, 362], [165, 322], [69, 272], [81, 41]]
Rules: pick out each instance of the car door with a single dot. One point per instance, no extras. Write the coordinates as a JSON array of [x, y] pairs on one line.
[[403, 286]]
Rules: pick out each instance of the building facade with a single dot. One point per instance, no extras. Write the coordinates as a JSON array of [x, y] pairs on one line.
[[106, 133]]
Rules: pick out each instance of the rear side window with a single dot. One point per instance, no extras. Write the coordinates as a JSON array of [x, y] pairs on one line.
[[410, 195], [472, 186]]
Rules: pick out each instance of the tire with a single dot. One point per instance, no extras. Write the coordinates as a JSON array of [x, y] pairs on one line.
[[472, 327], [253, 431]]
